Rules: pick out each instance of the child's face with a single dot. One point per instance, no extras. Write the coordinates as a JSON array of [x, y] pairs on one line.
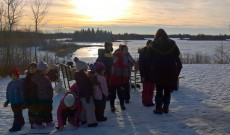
[[125, 51], [32, 70], [14, 77]]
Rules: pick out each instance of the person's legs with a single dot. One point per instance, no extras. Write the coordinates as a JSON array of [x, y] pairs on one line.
[[159, 99], [112, 96], [121, 93], [90, 111], [47, 112], [144, 93], [127, 93], [166, 100], [150, 90], [18, 118]]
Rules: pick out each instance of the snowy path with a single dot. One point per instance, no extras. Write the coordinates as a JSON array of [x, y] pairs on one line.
[[201, 106]]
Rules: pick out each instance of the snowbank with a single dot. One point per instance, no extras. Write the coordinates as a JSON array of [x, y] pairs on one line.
[[201, 106]]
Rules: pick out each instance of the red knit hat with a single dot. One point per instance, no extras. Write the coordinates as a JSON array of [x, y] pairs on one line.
[[15, 71]]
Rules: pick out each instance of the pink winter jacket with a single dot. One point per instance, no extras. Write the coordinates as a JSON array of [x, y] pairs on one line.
[[97, 90], [73, 120]]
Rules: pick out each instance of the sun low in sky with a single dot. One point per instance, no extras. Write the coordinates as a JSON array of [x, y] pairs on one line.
[[140, 16], [102, 10]]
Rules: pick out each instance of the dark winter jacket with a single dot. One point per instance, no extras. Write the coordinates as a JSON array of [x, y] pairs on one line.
[[144, 63], [44, 86], [119, 75], [107, 59], [166, 64], [30, 91], [14, 93], [84, 85]]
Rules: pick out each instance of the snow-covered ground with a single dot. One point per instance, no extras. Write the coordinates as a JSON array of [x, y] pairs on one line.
[[201, 106]]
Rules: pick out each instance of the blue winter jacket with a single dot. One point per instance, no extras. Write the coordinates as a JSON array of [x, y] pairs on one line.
[[14, 92]]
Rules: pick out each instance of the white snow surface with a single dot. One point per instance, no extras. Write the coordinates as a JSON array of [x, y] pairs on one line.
[[200, 107]]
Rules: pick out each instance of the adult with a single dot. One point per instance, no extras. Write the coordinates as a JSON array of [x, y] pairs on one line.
[[144, 68], [106, 57], [165, 68]]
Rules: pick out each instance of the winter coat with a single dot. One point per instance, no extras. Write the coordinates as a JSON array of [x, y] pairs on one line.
[[129, 62], [166, 65], [84, 85], [144, 63], [101, 88], [119, 75], [77, 108], [44, 86], [30, 91], [107, 59], [14, 92]]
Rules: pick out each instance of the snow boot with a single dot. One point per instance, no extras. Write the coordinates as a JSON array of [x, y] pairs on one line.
[[37, 126], [15, 128], [93, 125], [123, 107], [165, 109], [50, 124], [101, 119], [158, 110], [113, 109], [149, 105]]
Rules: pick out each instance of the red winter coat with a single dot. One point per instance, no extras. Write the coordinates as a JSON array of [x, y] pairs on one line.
[[119, 75], [77, 108]]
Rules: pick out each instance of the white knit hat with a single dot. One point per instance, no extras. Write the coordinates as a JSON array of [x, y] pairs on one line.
[[80, 64], [69, 100], [42, 65]]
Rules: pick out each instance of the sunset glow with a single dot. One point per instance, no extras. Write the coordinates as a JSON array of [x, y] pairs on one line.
[[102, 10]]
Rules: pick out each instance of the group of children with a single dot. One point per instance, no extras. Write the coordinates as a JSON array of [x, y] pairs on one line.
[[34, 92], [85, 102]]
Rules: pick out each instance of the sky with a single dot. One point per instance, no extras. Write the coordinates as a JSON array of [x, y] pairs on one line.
[[138, 16]]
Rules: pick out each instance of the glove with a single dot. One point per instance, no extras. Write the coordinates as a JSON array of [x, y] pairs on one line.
[[6, 103]]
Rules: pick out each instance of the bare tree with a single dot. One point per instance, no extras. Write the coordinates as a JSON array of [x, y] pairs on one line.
[[14, 12], [1, 16], [39, 9]]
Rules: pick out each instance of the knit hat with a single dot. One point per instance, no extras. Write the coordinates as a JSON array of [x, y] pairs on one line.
[[33, 64], [69, 100], [42, 65], [98, 66], [15, 71], [79, 64], [91, 67]]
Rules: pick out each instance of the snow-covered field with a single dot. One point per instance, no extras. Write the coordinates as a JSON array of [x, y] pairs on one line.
[[201, 106]]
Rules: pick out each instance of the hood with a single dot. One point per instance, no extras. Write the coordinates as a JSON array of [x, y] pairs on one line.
[[119, 56], [164, 46], [142, 50]]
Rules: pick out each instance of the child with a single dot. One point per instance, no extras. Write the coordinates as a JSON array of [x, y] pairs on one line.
[[85, 91], [45, 95], [118, 80], [148, 86], [129, 62], [30, 96], [69, 107], [100, 91], [14, 96]]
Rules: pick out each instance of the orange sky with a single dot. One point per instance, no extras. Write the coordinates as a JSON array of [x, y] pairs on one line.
[[138, 16]]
